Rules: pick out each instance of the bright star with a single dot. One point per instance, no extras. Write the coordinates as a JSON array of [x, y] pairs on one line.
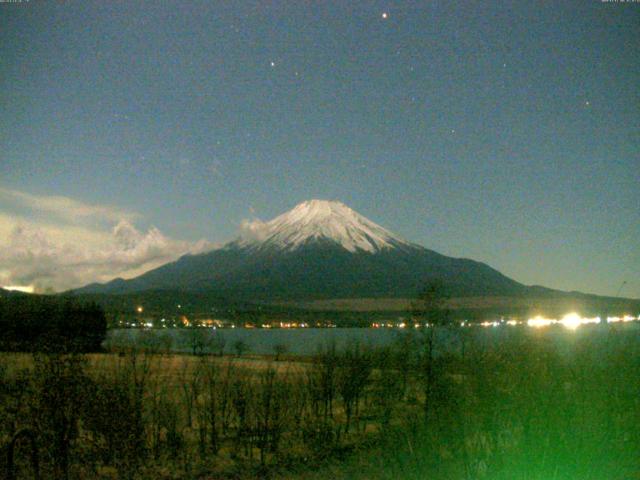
[[385, 15]]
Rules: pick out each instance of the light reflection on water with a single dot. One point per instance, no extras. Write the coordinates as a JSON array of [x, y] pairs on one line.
[[562, 333]]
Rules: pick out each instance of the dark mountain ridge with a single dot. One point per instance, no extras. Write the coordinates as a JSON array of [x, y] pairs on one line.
[[317, 270], [322, 250]]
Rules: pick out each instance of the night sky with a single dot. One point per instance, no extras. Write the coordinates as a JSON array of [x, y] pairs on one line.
[[507, 132]]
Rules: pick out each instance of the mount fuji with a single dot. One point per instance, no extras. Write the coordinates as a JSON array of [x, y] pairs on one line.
[[318, 250]]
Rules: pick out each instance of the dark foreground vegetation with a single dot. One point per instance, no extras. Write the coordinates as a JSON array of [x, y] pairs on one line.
[[518, 410], [47, 323]]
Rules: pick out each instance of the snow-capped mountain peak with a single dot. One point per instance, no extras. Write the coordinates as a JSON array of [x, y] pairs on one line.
[[320, 220]]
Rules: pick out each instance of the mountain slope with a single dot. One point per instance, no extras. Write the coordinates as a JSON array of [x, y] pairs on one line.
[[319, 249]]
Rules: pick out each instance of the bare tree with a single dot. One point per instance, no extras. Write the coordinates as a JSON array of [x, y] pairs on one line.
[[218, 343], [117, 412], [209, 409], [351, 379], [60, 380], [199, 339], [190, 385], [430, 311], [241, 347], [280, 350]]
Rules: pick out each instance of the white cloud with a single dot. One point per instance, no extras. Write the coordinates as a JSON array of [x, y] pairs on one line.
[[62, 254], [253, 230], [64, 207]]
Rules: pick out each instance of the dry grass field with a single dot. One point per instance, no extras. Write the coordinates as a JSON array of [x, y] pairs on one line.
[[519, 409]]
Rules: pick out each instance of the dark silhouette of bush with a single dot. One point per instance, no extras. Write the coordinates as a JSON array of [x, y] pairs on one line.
[[240, 347], [41, 323]]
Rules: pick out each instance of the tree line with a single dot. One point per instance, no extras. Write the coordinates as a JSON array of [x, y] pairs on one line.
[[45, 323]]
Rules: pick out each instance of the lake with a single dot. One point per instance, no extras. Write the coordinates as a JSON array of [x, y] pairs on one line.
[[307, 341]]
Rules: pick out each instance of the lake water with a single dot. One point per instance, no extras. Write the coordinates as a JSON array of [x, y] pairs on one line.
[[307, 341]]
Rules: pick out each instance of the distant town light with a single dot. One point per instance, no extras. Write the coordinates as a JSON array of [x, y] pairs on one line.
[[571, 321], [490, 324], [624, 318], [540, 322]]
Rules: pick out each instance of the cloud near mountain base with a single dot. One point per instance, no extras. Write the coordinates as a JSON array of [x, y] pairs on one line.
[[43, 257], [60, 255]]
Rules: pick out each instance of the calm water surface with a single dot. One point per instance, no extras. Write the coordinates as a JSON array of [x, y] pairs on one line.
[[307, 341]]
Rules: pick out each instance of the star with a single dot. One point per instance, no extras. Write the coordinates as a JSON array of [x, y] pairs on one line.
[[385, 15], [587, 103], [273, 64], [453, 130]]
